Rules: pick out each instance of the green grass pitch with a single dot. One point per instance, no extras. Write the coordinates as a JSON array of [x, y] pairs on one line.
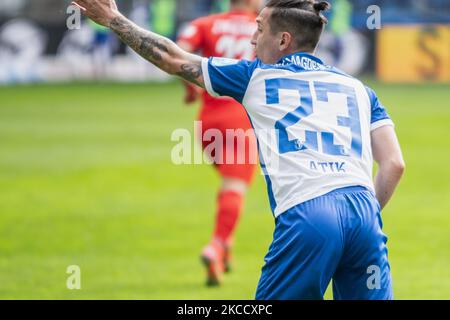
[[86, 179]]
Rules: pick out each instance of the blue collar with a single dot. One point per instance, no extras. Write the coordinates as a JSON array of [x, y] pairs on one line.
[[303, 59], [300, 54]]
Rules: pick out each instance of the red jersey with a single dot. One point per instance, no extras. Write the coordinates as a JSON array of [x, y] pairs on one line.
[[226, 35]]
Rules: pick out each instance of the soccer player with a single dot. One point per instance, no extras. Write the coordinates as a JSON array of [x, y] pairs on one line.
[[225, 35], [329, 128]]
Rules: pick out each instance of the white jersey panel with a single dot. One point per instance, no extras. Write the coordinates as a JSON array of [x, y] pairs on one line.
[[300, 175], [313, 123]]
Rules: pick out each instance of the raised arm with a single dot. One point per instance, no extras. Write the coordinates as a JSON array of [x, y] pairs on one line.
[[387, 153], [158, 50]]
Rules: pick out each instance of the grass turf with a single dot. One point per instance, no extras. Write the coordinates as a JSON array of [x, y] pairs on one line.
[[86, 179]]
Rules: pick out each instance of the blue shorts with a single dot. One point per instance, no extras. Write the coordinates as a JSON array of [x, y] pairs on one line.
[[333, 237]]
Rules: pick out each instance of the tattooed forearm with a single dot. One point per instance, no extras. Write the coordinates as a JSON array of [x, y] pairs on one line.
[[160, 51], [191, 72], [147, 44]]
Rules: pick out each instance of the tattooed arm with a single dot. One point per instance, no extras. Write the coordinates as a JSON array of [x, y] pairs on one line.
[[160, 51]]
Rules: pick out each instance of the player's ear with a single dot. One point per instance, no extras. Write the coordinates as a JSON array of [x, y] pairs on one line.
[[285, 41]]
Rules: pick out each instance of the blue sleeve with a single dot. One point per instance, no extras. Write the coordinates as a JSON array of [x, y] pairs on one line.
[[379, 115], [227, 77]]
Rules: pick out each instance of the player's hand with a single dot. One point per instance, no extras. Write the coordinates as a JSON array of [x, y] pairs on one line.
[[192, 93], [100, 11]]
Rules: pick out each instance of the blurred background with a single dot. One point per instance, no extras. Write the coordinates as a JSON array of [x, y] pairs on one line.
[[36, 46], [86, 176]]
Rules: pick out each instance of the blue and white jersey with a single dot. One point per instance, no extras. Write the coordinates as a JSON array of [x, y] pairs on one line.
[[313, 123]]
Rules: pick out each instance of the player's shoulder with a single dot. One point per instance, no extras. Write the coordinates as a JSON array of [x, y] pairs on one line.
[[222, 62], [373, 97], [233, 68], [356, 83]]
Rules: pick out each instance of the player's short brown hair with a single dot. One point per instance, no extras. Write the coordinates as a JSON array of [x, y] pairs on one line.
[[303, 19]]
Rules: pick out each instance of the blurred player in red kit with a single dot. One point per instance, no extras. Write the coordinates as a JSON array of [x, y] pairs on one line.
[[226, 35]]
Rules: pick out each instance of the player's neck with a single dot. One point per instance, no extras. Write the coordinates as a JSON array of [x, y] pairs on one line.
[[286, 53]]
